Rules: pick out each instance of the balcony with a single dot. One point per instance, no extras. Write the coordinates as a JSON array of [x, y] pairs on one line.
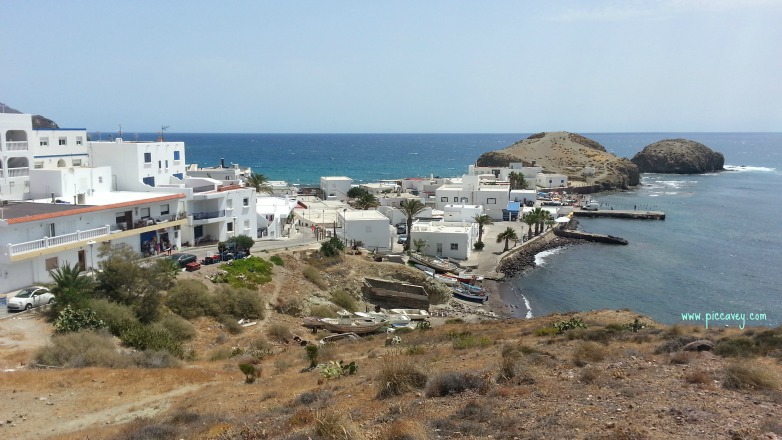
[[15, 172], [16, 146], [59, 240], [208, 215]]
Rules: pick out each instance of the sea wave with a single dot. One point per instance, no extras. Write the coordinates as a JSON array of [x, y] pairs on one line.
[[749, 168], [540, 258]]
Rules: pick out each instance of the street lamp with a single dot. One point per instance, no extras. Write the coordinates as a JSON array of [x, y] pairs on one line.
[[345, 225], [92, 261], [234, 226]]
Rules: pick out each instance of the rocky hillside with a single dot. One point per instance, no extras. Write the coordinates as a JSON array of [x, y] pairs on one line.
[[39, 122], [678, 156], [570, 154]]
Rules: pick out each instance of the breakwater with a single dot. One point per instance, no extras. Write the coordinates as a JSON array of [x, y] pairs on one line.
[[588, 236], [635, 215], [525, 257]]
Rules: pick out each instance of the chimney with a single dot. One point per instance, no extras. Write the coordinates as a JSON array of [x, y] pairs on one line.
[[222, 162]]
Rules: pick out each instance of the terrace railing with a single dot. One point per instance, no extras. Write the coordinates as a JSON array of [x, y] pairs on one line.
[[58, 240]]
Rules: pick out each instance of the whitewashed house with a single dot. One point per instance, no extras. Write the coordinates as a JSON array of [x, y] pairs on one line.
[[551, 180], [370, 227], [272, 214], [16, 157], [227, 175], [336, 187], [461, 213], [39, 237], [446, 239], [396, 216], [493, 198]]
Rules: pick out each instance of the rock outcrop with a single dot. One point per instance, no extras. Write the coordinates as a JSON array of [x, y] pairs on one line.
[[39, 122], [678, 156], [579, 158]]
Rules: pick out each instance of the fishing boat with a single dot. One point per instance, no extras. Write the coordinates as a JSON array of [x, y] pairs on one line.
[[389, 317], [468, 295], [438, 264], [472, 289], [346, 323], [465, 277], [413, 314], [425, 269]]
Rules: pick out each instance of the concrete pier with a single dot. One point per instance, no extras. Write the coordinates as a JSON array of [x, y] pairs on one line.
[[637, 215]]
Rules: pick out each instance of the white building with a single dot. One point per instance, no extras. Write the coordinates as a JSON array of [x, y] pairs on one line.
[[379, 188], [503, 173], [396, 216], [336, 187], [493, 197], [59, 148], [140, 166], [446, 239], [461, 213], [272, 215], [523, 195], [228, 175], [370, 227], [39, 237], [551, 180], [16, 157]]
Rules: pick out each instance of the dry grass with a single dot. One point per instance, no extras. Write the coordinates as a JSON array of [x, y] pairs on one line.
[[399, 375], [699, 377], [332, 424], [408, 429], [586, 352], [746, 377]]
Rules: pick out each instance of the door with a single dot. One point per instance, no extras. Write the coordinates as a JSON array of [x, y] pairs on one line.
[[439, 249], [82, 260]]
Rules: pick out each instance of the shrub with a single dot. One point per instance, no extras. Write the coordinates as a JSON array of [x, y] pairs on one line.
[[247, 273], [681, 358], [405, 430], [398, 376], [312, 354], [546, 331], [453, 383], [155, 359], [310, 397], [323, 311], [190, 299], [745, 377], [142, 337], [220, 354], [344, 299], [277, 260], [82, 349], [251, 371], [699, 377], [586, 352], [332, 247], [464, 340], [313, 276], [291, 306], [589, 375], [279, 332], [180, 328], [478, 246], [572, 323], [115, 315], [439, 295], [333, 425], [281, 365], [674, 344], [240, 303], [230, 324], [73, 320]]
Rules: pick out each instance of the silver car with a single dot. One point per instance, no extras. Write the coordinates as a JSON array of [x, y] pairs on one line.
[[29, 297]]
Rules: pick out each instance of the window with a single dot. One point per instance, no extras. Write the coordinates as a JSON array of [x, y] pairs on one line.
[[147, 157], [455, 199], [160, 164], [230, 226], [491, 201], [78, 140], [51, 263], [44, 141], [164, 209], [166, 163], [144, 212], [443, 199], [463, 200], [63, 141], [454, 246], [38, 164], [246, 201], [176, 155], [76, 162], [100, 179], [50, 227]]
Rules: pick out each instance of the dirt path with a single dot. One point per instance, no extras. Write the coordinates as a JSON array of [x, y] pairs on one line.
[[20, 336]]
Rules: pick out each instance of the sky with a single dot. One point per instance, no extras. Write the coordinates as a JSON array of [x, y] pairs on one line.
[[437, 66]]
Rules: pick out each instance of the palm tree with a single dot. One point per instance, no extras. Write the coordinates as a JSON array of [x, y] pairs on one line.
[[482, 220], [530, 220], [517, 180], [260, 183], [540, 216], [411, 208], [508, 234], [419, 244], [71, 287], [366, 201]]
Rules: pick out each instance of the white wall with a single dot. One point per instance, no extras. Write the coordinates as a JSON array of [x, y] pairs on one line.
[[461, 213], [336, 187], [463, 238], [53, 155], [66, 183], [130, 164], [15, 128], [551, 180]]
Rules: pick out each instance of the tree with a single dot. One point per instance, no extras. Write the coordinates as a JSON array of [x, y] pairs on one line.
[[71, 287], [260, 183], [411, 208], [482, 220], [419, 244], [541, 215], [367, 201], [530, 221], [242, 242], [356, 192], [517, 180], [125, 279], [332, 247], [508, 234]]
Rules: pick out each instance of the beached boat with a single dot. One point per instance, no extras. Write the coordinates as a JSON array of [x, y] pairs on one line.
[[447, 280], [353, 324], [414, 314], [468, 295], [425, 269], [388, 317], [472, 289], [465, 277], [437, 264]]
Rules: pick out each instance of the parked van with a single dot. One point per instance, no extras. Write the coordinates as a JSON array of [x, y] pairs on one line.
[[590, 206]]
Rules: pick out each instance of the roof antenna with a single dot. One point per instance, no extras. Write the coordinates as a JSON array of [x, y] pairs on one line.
[[160, 133]]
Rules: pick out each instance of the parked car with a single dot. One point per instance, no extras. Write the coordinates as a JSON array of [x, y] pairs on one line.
[[29, 297], [183, 259], [402, 239]]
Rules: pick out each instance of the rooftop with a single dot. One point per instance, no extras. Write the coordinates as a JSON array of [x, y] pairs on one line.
[[369, 214]]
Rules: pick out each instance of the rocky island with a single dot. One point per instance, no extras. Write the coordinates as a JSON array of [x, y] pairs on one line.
[[678, 156], [579, 158]]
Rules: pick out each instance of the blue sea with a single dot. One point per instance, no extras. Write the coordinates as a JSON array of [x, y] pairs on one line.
[[719, 251]]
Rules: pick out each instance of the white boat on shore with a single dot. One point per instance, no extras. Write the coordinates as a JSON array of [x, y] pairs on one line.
[[414, 314], [355, 324], [468, 295], [388, 317], [438, 264]]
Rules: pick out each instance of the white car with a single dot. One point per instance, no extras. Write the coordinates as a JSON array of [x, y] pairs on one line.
[[29, 297]]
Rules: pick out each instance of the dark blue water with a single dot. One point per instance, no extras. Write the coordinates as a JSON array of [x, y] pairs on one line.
[[719, 250]]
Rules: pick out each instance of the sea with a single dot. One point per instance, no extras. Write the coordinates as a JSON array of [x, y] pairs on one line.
[[716, 260]]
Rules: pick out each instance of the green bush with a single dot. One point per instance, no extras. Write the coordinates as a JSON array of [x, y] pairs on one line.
[[73, 320], [344, 299], [251, 371], [479, 245], [277, 260], [572, 323], [178, 327], [248, 273], [465, 339], [113, 314], [190, 299], [323, 311], [143, 337], [82, 349], [332, 247], [240, 303], [313, 275], [230, 324], [279, 332]]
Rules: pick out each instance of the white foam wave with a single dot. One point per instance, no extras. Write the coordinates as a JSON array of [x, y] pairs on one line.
[[540, 258], [746, 168]]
